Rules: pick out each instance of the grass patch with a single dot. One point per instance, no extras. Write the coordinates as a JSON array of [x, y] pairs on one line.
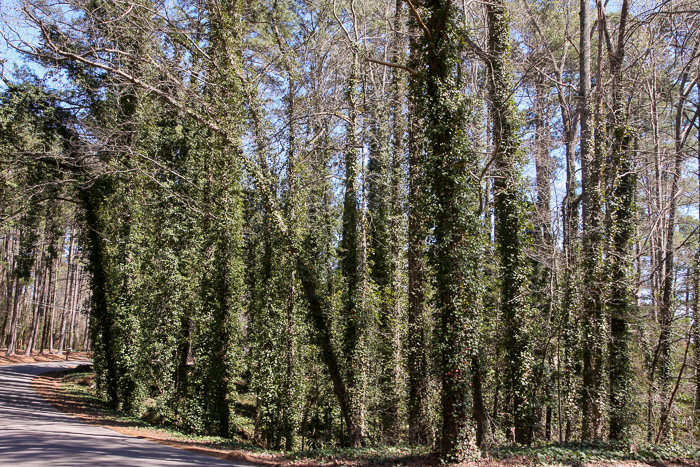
[[588, 453], [379, 455]]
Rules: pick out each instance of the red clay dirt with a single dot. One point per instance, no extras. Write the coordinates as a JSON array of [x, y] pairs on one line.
[[36, 357]]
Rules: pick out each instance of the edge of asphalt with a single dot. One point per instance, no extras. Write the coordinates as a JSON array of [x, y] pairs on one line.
[[46, 395]]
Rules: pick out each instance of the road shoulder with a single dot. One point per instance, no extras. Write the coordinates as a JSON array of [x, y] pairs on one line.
[[49, 386]]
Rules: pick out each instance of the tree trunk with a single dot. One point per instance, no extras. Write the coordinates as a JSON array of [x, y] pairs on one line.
[[351, 267], [696, 313], [318, 318], [667, 309], [620, 306], [67, 294], [455, 212], [417, 353], [48, 337], [510, 224], [37, 295], [102, 332], [593, 322], [479, 410], [9, 276], [75, 308], [48, 296], [12, 343]]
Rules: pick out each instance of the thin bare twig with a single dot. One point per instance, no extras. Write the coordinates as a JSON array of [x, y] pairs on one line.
[[393, 65]]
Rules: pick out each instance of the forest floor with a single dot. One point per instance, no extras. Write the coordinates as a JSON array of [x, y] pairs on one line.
[[36, 357], [70, 392]]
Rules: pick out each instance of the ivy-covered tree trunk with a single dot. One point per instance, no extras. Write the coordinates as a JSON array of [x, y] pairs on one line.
[[567, 330], [458, 245], [218, 341], [593, 326], [352, 265], [101, 329], [620, 305], [417, 338], [510, 225], [384, 202], [290, 387]]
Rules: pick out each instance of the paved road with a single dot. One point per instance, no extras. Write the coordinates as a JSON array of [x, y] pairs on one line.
[[32, 433]]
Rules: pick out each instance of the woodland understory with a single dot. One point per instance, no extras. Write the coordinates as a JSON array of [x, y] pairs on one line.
[[308, 224]]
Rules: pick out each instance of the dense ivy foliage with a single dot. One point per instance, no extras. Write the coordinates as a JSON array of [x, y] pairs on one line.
[[325, 224]]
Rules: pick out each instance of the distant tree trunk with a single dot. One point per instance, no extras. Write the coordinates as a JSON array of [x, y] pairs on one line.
[[86, 333], [8, 310], [75, 308], [667, 310], [9, 284], [50, 298], [48, 336], [51, 334], [37, 301], [67, 295], [12, 342]]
